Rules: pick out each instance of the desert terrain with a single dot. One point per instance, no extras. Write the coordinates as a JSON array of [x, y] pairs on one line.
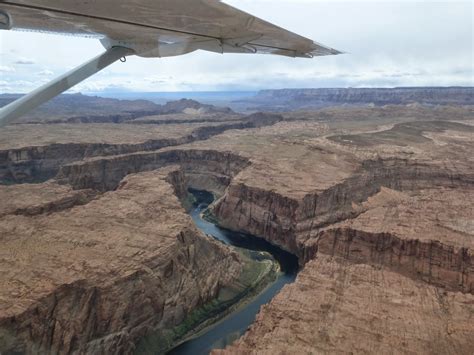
[[375, 201]]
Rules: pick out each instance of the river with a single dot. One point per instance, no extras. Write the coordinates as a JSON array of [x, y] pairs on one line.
[[234, 325]]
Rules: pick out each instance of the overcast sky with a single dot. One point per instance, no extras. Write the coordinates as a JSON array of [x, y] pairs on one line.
[[389, 43]]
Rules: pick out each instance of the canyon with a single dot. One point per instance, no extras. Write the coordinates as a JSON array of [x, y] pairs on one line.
[[71, 283], [375, 202]]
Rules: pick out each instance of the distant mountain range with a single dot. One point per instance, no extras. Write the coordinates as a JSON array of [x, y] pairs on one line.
[[287, 99], [83, 108]]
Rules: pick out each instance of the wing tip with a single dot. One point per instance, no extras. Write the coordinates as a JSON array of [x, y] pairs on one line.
[[321, 50]]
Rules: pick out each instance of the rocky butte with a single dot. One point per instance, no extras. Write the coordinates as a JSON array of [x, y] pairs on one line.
[[376, 202]]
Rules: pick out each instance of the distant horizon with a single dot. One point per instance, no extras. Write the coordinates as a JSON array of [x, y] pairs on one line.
[[88, 93]]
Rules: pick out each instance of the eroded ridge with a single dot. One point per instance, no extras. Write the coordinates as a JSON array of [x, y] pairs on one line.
[[98, 277], [385, 245], [35, 153], [337, 307], [380, 218]]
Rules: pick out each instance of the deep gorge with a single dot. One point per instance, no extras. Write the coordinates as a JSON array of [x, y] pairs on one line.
[[305, 228]]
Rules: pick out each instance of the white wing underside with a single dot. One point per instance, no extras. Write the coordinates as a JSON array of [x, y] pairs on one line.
[[160, 28]]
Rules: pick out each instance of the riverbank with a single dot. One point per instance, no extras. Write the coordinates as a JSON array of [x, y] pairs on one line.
[[259, 270], [219, 323]]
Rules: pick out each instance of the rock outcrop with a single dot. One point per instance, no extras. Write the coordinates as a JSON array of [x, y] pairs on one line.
[[42, 198], [34, 159], [379, 215], [337, 307], [281, 219], [205, 170], [397, 210], [96, 278], [191, 107]]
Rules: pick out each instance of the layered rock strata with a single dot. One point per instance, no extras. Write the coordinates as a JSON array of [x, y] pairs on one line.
[[274, 215], [96, 278], [381, 220], [34, 158], [397, 214], [357, 96], [41, 198], [337, 307], [205, 170]]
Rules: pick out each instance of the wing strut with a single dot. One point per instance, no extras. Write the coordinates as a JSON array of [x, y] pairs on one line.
[[61, 84]]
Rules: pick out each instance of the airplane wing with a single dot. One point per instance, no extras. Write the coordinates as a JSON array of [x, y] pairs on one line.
[[147, 28], [155, 28]]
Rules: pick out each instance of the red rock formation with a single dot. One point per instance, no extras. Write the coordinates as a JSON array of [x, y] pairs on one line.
[[337, 307], [96, 278]]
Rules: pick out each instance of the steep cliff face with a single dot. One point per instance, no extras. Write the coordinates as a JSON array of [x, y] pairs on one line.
[[434, 95], [208, 170], [42, 198], [84, 317], [93, 287], [37, 160], [337, 307], [259, 212], [289, 222], [320, 223], [40, 162], [434, 262], [336, 203], [36, 164]]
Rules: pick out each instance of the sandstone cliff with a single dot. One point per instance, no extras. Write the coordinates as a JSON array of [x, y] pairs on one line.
[[379, 215], [96, 278], [206, 170], [383, 247], [34, 158], [336, 307]]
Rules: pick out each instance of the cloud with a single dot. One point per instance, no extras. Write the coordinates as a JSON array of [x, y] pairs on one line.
[[45, 72], [17, 86], [390, 43], [25, 61], [6, 69]]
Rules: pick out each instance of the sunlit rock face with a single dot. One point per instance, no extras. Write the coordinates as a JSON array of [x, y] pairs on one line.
[[97, 277], [337, 307], [376, 203], [385, 247]]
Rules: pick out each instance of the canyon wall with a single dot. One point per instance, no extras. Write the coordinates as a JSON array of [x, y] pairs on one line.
[[271, 215], [112, 255], [84, 317], [101, 287], [38, 163], [434, 262], [379, 96], [308, 226], [204, 169], [337, 307]]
